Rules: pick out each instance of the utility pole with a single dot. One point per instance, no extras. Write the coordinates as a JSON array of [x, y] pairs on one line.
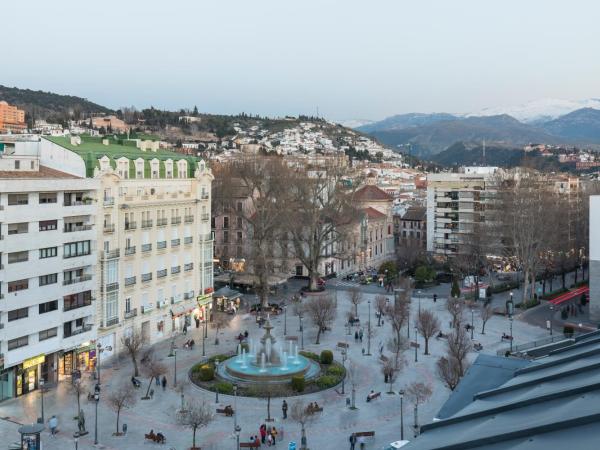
[[369, 331]]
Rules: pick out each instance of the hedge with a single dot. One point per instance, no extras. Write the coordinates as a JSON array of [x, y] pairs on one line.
[[310, 355], [206, 373], [335, 371], [326, 357], [298, 383], [223, 387], [326, 381]]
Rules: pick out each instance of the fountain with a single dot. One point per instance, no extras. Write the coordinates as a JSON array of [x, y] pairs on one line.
[[266, 362]]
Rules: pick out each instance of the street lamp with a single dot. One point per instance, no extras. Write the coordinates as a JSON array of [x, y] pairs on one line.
[[401, 414], [419, 297], [99, 350], [301, 333], [235, 389], [96, 400], [217, 385], [284, 319], [511, 333], [551, 317], [472, 322], [416, 343], [344, 357], [369, 331], [204, 337], [238, 430], [42, 393], [175, 368]]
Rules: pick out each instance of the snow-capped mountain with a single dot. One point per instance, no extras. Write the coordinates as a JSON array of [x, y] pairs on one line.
[[541, 110]]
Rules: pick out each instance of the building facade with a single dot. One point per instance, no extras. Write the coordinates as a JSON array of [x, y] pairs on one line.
[[410, 229], [12, 119], [47, 271], [594, 268]]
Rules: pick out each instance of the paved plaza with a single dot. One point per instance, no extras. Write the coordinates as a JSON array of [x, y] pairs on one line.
[[331, 431]]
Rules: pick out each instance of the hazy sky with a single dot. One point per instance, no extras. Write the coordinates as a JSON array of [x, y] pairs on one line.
[[351, 59]]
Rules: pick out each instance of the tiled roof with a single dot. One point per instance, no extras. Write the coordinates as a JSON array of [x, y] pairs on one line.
[[44, 172], [372, 213], [371, 192], [415, 213]]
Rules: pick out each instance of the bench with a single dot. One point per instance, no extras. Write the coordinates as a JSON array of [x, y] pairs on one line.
[[249, 445], [228, 411], [365, 434], [373, 396], [343, 345], [314, 410]]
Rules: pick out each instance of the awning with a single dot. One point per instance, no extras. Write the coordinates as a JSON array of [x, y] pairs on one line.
[[228, 293], [179, 310]]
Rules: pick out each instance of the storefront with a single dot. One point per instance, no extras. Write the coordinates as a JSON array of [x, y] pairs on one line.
[[202, 311], [227, 300], [82, 359], [28, 374]]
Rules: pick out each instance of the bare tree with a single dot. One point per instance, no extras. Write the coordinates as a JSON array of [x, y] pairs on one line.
[[133, 345], [220, 320], [181, 389], [304, 416], [418, 393], [154, 370], [448, 369], [197, 416], [427, 325], [397, 316], [409, 254], [398, 347], [355, 298], [390, 368], [486, 313], [459, 346], [354, 378], [381, 302], [267, 392], [122, 397], [455, 307], [322, 311], [77, 388]]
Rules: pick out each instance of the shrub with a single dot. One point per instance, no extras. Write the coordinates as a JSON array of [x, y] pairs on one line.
[[310, 355], [335, 371], [424, 274], [206, 373], [568, 331], [221, 358], [391, 267], [326, 357], [326, 381], [455, 290], [224, 387], [298, 383]]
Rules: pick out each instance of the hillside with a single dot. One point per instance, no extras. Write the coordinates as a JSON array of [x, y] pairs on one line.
[[582, 125], [50, 106], [462, 154], [403, 121]]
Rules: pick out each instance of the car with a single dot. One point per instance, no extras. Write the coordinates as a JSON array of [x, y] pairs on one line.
[[395, 445]]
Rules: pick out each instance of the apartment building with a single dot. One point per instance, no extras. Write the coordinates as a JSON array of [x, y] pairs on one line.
[[47, 270], [410, 228], [594, 270], [12, 119], [455, 204], [155, 270]]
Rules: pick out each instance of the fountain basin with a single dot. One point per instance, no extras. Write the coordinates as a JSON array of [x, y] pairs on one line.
[[232, 369]]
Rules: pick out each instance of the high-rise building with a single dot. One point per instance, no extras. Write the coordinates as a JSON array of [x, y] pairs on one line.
[[12, 119], [47, 270], [594, 267]]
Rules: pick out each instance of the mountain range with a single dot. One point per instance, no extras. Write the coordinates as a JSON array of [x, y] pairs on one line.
[[429, 134]]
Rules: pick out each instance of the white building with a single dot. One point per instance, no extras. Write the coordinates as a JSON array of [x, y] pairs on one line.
[[595, 258], [47, 270]]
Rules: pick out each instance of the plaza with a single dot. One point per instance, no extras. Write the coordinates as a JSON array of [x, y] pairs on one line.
[[330, 431]]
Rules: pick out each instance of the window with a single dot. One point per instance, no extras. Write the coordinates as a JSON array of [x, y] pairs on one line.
[[225, 222], [18, 285], [112, 307], [225, 237], [47, 307], [17, 257], [18, 199], [47, 334], [48, 252], [17, 164], [17, 314], [18, 342], [239, 206], [48, 279], [79, 322], [47, 225], [18, 228], [73, 249], [240, 222], [78, 300], [47, 197], [128, 305]]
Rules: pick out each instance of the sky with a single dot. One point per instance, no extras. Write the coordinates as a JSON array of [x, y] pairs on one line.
[[349, 59]]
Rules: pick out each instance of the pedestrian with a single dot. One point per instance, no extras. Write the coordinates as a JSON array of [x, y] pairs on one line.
[[185, 328], [352, 441], [356, 335], [246, 334], [53, 424], [125, 429], [363, 351], [360, 335], [269, 440], [157, 380], [197, 322], [274, 434], [263, 433], [164, 382], [284, 408], [361, 441]]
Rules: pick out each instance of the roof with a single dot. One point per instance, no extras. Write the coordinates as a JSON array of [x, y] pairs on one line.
[[225, 291], [92, 149], [372, 213], [370, 192], [417, 213], [551, 403], [43, 172]]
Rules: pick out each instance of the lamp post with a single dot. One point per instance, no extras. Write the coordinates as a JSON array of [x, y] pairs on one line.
[[301, 333], [238, 430], [419, 297], [344, 356], [204, 338], [98, 350], [284, 319], [511, 333], [401, 414], [216, 386], [551, 317], [175, 368], [96, 400], [510, 309], [416, 343], [42, 394], [472, 322], [369, 331], [235, 389]]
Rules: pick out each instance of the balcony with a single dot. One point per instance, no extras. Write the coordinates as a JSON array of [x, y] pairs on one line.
[[161, 222], [188, 295], [147, 223], [175, 242], [161, 244], [175, 269], [84, 329], [130, 314], [78, 202], [111, 322], [187, 267], [75, 280], [146, 277], [109, 201], [188, 240], [189, 219], [111, 254], [109, 228], [146, 248], [175, 220], [130, 250], [204, 196], [130, 281], [161, 273], [112, 287], [130, 226], [147, 308], [206, 237], [74, 228], [162, 303], [205, 217]]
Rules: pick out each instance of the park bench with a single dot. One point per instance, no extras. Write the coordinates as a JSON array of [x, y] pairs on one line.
[[228, 411], [365, 434], [373, 396], [314, 410], [249, 445], [343, 345]]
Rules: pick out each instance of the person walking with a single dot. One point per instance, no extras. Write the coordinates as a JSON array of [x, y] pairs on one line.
[[352, 441], [274, 434], [360, 335], [53, 424], [157, 380], [164, 382], [356, 335], [263, 433], [284, 408]]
